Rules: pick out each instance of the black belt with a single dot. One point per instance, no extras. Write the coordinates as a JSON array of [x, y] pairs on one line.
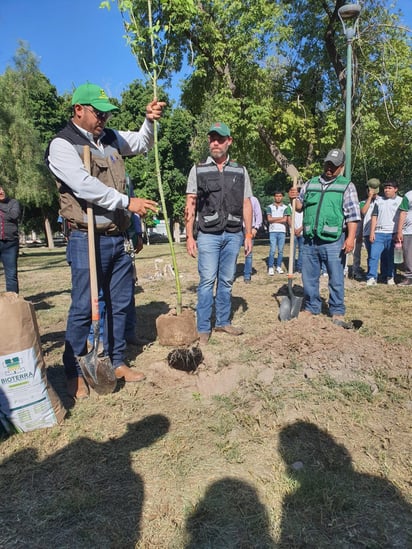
[[110, 233], [102, 233]]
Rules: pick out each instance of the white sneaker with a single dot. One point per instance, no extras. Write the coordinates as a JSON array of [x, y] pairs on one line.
[[271, 271], [371, 282], [279, 270], [390, 282]]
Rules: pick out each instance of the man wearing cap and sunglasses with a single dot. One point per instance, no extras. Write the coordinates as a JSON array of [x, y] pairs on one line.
[[105, 189], [330, 217], [218, 201]]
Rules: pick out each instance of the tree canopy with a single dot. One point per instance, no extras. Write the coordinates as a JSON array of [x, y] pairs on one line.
[[275, 72]]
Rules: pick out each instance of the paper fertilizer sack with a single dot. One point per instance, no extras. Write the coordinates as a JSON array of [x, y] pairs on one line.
[[27, 402]]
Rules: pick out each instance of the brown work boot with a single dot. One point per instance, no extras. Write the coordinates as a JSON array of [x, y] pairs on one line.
[[229, 329], [77, 387], [129, 374], [203, 337]]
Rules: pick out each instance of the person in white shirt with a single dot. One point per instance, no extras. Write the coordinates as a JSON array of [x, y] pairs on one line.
[[383, 233], [405, 236], [366, 207], [277, 219]]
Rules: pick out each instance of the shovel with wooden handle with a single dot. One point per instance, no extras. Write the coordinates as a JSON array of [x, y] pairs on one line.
[[97, 371], [291, 304]]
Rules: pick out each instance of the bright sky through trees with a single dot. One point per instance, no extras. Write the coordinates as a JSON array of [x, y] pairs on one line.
[[76, 41]]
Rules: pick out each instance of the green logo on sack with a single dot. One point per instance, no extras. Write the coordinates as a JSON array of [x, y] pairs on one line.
[[12, 364]]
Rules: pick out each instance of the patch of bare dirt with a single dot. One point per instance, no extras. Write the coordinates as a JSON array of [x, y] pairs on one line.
[[311, 346]]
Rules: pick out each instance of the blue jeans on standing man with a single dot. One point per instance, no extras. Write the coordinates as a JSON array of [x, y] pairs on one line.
[[9, 251], [277, 240], [217, 256], [316, 252], [114, 272], [382, 248], [131, 318]]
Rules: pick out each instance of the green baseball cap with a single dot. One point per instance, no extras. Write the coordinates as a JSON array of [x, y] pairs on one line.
[[91, 94], [220, 128], [374, 184]]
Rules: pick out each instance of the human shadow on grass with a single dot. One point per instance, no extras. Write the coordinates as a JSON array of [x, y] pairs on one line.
[[332, 505], [40, 300], [86, 495], [52, 340], [230, 516]]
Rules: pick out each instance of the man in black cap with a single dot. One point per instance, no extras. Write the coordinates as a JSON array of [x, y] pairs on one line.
[[330, 217], [218, 200]]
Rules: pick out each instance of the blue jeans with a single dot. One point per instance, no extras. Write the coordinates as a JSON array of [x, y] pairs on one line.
[[298, 248], [115, 276], [247, 271], [217, 256], [315, 253], [130, 318], [277, 240], [368, 247], [9, 251], [382, 248]]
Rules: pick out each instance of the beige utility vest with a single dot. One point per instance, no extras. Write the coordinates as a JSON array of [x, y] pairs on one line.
[[107, 166]]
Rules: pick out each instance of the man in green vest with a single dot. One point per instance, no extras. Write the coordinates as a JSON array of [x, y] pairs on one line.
[[331, 214]]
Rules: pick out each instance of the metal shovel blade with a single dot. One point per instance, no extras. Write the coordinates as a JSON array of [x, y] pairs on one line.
[[285, 309], [291, 305], [296, 306], [98, 371]]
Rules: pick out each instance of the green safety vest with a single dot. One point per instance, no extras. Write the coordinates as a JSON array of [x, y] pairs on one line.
[[323, 209]]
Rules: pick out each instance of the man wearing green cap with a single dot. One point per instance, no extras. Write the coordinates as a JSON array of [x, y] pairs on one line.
[[105, 189], [218, 201]]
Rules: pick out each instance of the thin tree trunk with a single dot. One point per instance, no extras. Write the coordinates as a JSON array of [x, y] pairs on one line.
[[48, 233], [279, 158]]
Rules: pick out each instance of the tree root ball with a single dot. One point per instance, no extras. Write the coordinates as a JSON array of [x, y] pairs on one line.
[[187, 359], [177, 330]]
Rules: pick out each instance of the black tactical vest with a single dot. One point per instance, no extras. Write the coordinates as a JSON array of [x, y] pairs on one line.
[[220, 197]]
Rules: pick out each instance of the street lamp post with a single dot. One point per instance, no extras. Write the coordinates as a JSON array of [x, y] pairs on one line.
[[349, 13]]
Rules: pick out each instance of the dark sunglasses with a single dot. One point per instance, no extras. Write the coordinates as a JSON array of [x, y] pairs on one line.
[[98, 114]]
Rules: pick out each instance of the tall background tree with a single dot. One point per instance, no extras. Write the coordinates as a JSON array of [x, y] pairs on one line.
[[31, 112], [174, 147], [274, 71]]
